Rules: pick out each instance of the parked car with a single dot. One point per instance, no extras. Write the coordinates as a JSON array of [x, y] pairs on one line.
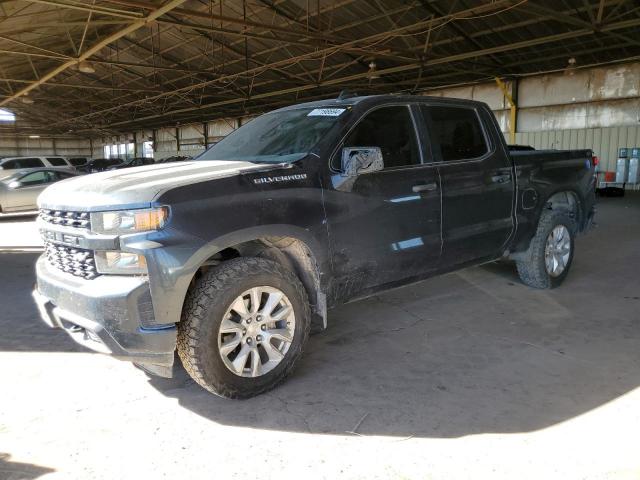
[[174, 158], [100, 165], [20, 163], [77, 162], [134, 162], [232, 258], [19, 189]]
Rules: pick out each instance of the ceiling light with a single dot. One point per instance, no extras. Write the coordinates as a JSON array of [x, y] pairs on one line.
[[373, 72], [571, 66], [85, 67], [26, 99], [34, 136]]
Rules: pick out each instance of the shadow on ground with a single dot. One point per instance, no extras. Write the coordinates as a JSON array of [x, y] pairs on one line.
[[20, 324], [467, 353], [17, 217], [10, 470]]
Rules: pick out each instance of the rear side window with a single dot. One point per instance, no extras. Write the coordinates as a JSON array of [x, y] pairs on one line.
[[10, 165], [23, 163], [391, 129], [457, 131], [57, 161], [77, 162]]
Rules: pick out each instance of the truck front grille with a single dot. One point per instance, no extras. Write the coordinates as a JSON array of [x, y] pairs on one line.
[[66, 218], [76, 261]]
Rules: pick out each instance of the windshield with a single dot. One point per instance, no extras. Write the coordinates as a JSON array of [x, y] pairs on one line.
[[277, 137]]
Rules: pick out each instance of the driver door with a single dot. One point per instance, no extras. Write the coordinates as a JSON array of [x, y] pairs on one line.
[[384, 226]]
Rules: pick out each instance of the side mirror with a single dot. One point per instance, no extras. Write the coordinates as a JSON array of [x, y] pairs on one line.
[[15, 184], [359, 160]]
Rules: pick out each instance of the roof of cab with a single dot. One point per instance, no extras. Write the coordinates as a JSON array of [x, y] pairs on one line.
[[378, 99]]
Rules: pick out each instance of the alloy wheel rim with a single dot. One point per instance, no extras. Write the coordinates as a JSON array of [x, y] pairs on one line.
[[256, 331], [557, 250]]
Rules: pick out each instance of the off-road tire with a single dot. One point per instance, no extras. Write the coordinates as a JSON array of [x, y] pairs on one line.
[[531, 267], [204, 308]]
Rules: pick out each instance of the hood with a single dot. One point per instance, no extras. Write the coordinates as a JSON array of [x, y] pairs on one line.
[[135, 187]]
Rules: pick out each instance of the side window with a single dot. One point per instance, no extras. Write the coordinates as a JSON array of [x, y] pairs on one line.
[[37, 178], [19, 163], [30, 163], [458, 132], [10, 165], [391, 129], [57, 161]]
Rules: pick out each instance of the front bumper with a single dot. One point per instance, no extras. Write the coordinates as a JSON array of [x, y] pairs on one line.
[[104, 314]]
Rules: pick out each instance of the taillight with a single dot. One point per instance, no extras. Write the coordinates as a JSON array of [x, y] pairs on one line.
[[595, 161]]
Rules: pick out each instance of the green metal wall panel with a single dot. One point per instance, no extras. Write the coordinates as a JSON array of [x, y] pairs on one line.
[[603, 141]]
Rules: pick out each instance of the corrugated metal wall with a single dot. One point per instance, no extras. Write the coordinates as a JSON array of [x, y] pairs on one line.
[[21, 146], [596, 108], [603, 141]]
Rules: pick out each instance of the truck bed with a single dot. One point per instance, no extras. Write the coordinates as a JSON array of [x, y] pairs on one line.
[[551, 158]]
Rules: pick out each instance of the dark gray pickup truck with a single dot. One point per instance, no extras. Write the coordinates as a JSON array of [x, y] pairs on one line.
[[232, 258]]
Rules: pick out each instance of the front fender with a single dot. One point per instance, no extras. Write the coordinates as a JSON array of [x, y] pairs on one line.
[[175, 258]]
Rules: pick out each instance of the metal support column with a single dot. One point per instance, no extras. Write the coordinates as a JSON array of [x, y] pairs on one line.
[[205, 134], [512, 100]]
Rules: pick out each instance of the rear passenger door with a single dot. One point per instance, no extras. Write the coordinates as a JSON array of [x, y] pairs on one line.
[[477, 182], [384, 226]]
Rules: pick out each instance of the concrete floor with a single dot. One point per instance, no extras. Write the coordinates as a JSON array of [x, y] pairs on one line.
[[18, 232], [468, 375]]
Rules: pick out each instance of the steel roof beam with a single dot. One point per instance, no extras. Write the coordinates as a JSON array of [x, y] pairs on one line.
[[318, 52], [94, 9], [96, 48], [400, 69], [83, 87]]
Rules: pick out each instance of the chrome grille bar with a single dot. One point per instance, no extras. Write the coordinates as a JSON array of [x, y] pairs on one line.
[[66, 218]]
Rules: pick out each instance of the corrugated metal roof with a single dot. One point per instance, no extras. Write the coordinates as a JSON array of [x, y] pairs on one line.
[[204, 60]]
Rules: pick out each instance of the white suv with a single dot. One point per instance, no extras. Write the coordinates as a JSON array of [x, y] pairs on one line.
[[20, 163]]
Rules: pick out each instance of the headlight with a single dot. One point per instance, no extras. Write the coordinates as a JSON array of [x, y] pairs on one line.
[[120, 263], [129, 221]]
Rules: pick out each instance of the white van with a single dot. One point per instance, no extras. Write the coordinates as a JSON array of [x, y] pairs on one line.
[[20, 163]]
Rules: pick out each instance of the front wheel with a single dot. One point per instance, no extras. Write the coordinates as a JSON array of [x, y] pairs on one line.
[[243, 327], [550, 254]]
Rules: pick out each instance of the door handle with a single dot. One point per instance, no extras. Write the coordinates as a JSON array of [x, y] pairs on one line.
[[425, 187], [504, 178]]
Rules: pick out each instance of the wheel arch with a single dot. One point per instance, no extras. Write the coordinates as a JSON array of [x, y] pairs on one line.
[[566, 200], [293, 247], [559, 200]]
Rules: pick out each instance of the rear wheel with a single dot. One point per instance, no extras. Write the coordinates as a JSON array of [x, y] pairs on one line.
[[243, 328], [550, 254]]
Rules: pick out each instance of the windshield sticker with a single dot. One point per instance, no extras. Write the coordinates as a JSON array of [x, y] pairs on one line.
[[326, 112]]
